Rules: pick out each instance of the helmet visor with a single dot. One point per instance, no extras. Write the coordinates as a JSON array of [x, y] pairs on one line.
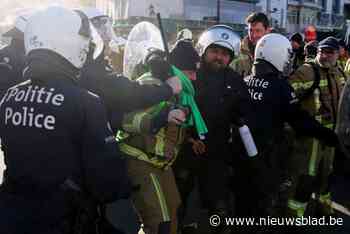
[[97, 42], [104, 27], [88, 30]]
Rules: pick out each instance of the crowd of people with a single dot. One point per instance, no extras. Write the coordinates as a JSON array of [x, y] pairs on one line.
[[251, 123]]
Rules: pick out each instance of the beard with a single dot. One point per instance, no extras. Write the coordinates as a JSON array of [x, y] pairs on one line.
[[214, 66], [326, 63]]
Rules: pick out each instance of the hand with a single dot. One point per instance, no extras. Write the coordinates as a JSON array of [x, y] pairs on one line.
[[176, 116], [175, 84], [198, 146]]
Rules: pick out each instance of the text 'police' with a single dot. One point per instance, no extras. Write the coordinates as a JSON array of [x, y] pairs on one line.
[[27, 116]]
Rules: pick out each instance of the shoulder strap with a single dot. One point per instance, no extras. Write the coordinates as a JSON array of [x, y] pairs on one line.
[[342, 73], [315, 84]]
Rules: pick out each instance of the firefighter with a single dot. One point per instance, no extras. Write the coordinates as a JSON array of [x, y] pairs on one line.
[[151, 139], [318, 85], [258, 26]]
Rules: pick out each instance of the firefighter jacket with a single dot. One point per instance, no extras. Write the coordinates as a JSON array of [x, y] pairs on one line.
[[147, 135], [323, 101], [243, 64]]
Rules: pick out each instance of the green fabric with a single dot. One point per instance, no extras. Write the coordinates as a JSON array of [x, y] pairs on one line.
[[186, 98]]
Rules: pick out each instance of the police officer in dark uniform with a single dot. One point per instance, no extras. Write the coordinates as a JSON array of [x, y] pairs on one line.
[[275, 103], [120, 94], [58, 146], [221, 95], [12, 58]]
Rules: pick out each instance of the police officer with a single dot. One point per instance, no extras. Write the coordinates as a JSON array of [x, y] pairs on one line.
[[12, 58], [221, 94], [273, 98], [184, 34], [59, 149], [120, 94]]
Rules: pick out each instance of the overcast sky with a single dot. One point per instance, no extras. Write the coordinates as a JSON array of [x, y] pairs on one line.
[[8, 8]]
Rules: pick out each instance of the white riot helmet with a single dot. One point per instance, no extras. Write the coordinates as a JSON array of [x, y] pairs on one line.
[[184, 34], [275, 49], [19, 25], [92, 12], [64, 32], [221, 35], [102, 23]]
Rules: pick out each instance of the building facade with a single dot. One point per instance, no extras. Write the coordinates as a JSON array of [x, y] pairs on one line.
[[230, 11], [326, 15], [233, 12], [289, 15], [277, 11], [123, 9]]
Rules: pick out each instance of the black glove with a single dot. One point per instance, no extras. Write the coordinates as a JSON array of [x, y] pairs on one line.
[[156, 61]]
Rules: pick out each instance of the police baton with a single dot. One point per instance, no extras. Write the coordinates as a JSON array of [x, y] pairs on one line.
[[162, 32]]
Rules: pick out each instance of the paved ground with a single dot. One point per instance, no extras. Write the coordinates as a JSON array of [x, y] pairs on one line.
[[340, 189]]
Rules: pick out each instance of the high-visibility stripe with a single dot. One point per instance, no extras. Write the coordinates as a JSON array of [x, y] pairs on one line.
[[330, 126], [325, 198], [323, 83], [159, 145], [298, 207], [138, 120], [306, 85], [297, 85], [161, 197], [132, 151], [140, 155], [342, 80], [312, 163], [317, 99]]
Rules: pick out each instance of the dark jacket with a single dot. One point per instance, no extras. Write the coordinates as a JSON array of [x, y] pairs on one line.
[[222, 99], [275, 103], [51, 131], [120, 94]]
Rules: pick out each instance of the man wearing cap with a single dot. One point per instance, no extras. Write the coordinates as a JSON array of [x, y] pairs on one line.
[[258, 26], [318, 85]]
